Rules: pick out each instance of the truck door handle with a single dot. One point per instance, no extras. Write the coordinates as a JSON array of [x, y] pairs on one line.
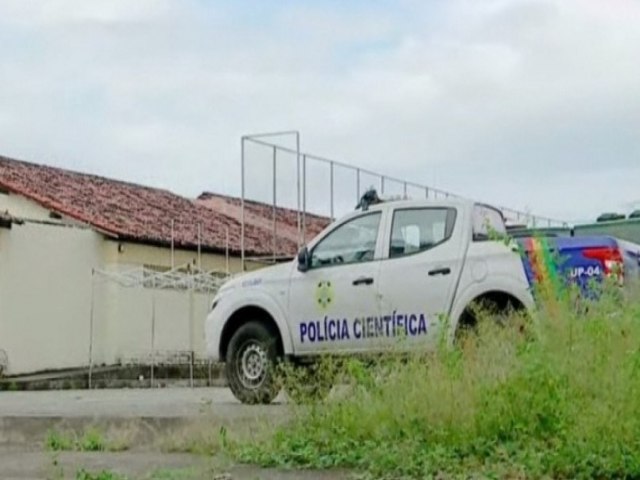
[[440, 271], [363, 281]]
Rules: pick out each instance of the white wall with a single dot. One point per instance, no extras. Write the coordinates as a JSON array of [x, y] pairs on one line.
[[45, 305], [125, 324], [20, 207], [46, 291], [45, 295]]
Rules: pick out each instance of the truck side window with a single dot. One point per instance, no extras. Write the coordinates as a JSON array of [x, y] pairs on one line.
[[418, 229], [352, 242], [487, 221]]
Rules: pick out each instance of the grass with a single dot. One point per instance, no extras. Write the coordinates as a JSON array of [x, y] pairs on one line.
[[91, 440], [554, 394], [177, 474], [83, 474]]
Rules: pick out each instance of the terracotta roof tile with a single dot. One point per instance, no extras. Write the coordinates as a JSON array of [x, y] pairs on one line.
[[144, 214], [260, 215]]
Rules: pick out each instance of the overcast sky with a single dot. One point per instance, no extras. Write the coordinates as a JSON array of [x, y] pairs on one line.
[[533, 104]]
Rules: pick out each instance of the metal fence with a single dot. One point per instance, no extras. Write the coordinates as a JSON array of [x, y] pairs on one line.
[[325, 187], [144, 318]]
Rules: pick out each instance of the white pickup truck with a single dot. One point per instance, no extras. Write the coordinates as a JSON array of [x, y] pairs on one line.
[[381, 273]]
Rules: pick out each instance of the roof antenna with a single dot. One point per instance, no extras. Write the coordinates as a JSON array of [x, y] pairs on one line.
[[370, 197]]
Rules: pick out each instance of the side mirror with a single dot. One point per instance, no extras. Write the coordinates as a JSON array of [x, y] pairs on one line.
[[303, 259]]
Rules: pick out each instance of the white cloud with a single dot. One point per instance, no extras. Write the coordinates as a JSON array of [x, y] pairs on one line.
[[65, 12], [525, 103]]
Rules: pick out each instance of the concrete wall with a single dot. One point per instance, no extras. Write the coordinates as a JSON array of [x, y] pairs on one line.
[[45, 295], [139, 254], [20, 207], [46, 304], [132, 324], [628, 230]]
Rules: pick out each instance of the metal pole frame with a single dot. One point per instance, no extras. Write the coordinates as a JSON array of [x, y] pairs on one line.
[[254, 137], [153, 338], [274, 212], [304, 199], [331, 205], [173, 258], [430, 192], [199, 247], [137, 277], [226, 251], [91, 321]]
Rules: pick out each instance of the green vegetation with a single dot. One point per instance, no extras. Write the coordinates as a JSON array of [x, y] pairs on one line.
[[554, 394], [83, 474], [201, 439], [92, 440]]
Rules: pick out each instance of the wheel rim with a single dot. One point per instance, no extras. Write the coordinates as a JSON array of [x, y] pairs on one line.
[[251, 364]]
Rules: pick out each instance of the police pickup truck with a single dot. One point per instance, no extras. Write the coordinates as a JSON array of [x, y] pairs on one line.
[[386, 271]]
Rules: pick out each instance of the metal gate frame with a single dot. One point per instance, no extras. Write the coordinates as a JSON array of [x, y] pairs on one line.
[[136, 277], [301, 186]]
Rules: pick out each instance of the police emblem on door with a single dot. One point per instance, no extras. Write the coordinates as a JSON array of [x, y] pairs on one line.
[[324, 295]]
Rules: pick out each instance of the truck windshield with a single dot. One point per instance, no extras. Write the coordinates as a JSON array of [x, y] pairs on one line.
[[352, 242]]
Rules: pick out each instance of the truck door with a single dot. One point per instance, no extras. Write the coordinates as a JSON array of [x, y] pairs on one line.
[[328, 301], [425, 251]]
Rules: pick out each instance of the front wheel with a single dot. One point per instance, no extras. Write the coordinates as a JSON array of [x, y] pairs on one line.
[[250, 364]]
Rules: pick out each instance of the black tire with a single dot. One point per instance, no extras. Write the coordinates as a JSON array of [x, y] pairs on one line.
[[250, 383], [485, 309]]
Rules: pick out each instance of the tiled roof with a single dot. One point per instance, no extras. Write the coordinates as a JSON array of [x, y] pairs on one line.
[[138, 213], [260, 215]]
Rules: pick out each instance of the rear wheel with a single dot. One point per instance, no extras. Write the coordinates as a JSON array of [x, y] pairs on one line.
[[250, 363], [498, 310]]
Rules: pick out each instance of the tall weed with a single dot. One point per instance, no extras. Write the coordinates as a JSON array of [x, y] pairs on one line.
[[555, 393]]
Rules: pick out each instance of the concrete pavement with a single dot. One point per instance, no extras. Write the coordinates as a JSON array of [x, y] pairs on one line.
[[21, 465], [129, 403], [146, 415], [145, 420]]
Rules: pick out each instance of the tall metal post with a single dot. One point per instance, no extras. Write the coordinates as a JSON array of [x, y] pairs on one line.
[[91, 317], [331, 188], [242, 188], [191, 332], [226, 249], [304, 198], [381, 184], [357, 185], [153, 338], [275, 153], [405, 190], [300, 238], [173, 261], [199, 247]]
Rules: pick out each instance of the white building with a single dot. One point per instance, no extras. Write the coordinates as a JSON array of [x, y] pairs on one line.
[[57, 227]]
